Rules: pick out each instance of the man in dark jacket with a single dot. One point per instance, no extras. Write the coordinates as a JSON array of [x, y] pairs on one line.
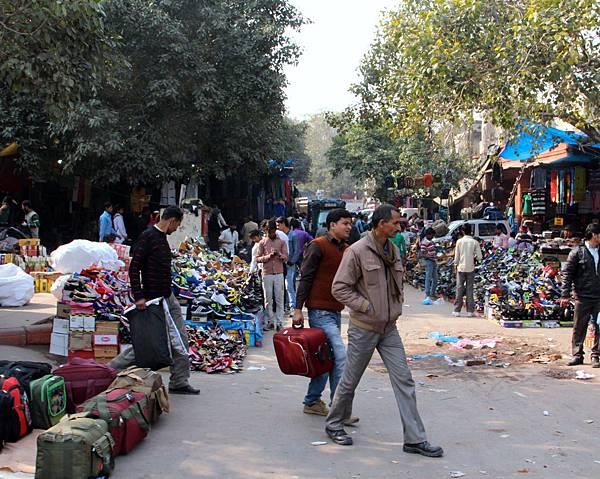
[[150, 277], [582, 274]]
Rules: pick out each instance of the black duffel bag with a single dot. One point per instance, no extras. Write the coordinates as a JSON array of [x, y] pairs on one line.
[[25, 371], [149, 337]]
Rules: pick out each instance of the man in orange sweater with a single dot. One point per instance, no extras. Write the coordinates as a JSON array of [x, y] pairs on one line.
[[321, 261]]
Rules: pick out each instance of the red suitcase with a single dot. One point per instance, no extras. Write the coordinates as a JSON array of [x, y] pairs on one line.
[[127, 414], [84, 378], [303, 352]]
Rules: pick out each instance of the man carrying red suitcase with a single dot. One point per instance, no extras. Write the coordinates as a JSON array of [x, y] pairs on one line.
[[321, 260], [369, 282]]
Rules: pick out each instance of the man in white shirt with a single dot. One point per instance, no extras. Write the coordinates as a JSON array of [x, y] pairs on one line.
[[228, 240], [119, 225], [467, 250]]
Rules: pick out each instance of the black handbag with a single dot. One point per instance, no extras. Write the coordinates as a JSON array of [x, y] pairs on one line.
[[150, 338]]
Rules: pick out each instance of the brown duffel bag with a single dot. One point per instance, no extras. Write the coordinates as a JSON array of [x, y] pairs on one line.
[[148, 382]]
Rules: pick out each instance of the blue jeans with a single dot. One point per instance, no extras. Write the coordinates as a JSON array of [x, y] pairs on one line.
[[331, 323], [290, 279], [431, 278]]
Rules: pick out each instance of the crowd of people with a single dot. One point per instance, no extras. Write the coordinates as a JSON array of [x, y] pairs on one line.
[[22, 217]]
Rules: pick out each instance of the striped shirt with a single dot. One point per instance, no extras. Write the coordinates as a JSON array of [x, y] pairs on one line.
[[428, 250], [150, 269]]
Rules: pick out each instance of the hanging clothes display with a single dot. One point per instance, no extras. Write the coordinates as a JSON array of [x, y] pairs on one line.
[[527, 204], [554, 187], [538, 204], [538, 178], [168, 195], [580, 182]]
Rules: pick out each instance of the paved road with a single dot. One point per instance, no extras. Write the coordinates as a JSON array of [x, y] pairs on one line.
[[251, 425], [490, 421]]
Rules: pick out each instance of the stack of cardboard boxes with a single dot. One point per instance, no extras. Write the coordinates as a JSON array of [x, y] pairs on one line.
[[77, 333]]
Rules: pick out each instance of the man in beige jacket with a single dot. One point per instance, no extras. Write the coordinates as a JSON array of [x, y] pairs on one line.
[[369, 282]]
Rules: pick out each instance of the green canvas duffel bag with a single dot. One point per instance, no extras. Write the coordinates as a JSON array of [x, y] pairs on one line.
[[78, 447]]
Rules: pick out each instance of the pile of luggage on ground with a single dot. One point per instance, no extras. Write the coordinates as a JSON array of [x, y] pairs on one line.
[[90, 413], [516, 288]]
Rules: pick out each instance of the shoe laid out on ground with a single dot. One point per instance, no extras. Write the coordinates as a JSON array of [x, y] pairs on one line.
[[576, 361], [340, 437], [184, 390], [318, 409], [455, 314], [351, 421], [269, 327], [595, 363], [424, 448], [439, 302], [427, 302]]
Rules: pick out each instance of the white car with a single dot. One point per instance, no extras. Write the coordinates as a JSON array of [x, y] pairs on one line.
[[484, 229]]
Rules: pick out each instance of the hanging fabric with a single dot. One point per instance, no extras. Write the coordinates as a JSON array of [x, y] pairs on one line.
[[554, 187]]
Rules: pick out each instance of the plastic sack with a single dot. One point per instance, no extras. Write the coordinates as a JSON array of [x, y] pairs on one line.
[[81, 254], [16, 286], [59, 285]]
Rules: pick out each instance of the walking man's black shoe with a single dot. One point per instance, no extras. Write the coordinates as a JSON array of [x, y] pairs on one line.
[[340, 437], [595, 362], [424, 448], [184, 390], [576, 361]]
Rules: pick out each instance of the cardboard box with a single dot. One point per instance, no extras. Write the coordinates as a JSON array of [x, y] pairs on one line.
[[59, 344], [106, 351], [80, 341], [60, 326], [29, 242], [107, 327], [78, 322], [63, 310], [105, 340]]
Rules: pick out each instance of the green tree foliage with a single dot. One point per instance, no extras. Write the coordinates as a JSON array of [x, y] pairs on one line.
[[319, 138], [196, 89], [53, 50], [438, 60], [372, 153]]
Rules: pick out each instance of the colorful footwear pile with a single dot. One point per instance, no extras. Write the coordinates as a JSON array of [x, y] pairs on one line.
[[521, 288], [213, 350]]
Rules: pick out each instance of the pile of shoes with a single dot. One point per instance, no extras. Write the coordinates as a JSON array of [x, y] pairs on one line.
[[99, 291], [213, 350], [213, 286]]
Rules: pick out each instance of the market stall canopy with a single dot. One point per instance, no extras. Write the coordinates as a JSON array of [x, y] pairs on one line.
[[537, 139]]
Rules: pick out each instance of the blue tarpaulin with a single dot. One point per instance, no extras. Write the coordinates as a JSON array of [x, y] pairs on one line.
[[536, 140]]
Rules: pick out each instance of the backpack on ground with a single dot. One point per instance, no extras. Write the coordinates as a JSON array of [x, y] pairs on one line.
[[25, 371], [148, 382], [78, 447], [84, 378], [48, 401], [15, 417], [126, 413]]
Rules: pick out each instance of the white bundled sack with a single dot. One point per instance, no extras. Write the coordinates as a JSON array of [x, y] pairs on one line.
[[81, 254], [16, 286]]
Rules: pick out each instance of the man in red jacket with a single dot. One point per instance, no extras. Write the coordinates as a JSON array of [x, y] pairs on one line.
[[321, 260]]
